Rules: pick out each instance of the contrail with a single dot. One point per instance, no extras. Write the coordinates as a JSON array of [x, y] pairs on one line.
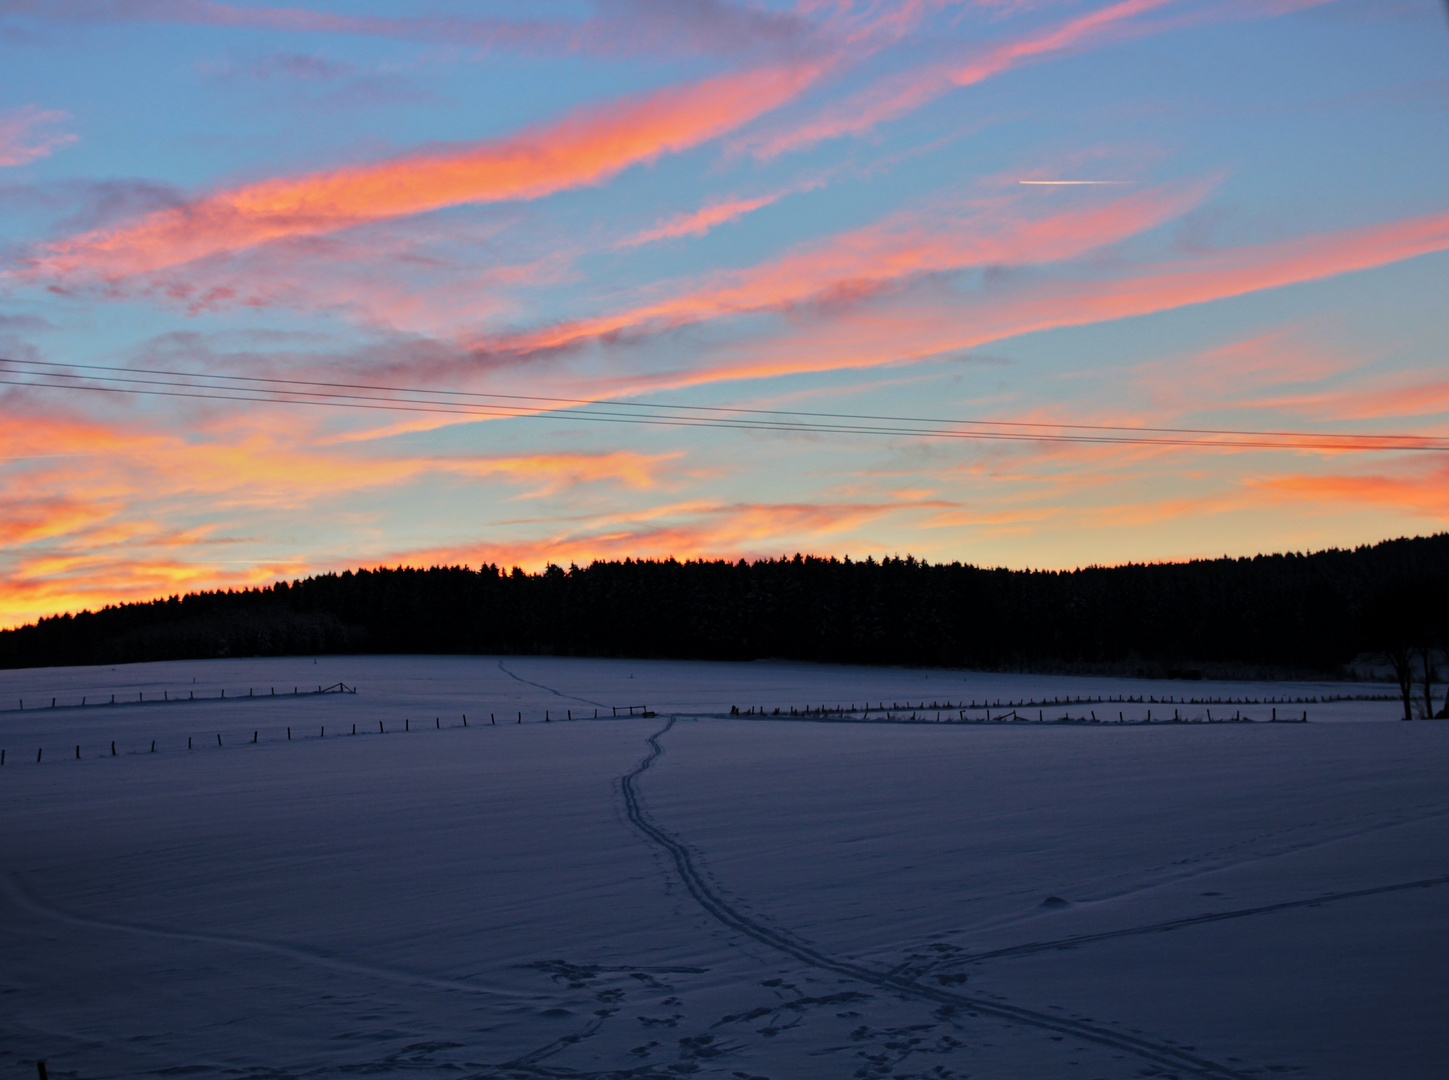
[[1064, 182]]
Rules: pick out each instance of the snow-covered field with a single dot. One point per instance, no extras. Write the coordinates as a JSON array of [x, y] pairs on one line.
[[696, 894]]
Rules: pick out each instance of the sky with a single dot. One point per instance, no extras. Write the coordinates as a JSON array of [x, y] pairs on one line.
[[818, 210]]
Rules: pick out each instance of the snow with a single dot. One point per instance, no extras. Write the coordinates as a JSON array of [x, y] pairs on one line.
[[740, 897]]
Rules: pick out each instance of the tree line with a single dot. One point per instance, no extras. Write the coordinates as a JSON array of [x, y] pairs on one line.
[[1265, 615]]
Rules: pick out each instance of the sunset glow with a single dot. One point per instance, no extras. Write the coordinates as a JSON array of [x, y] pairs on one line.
[[1197, 214]]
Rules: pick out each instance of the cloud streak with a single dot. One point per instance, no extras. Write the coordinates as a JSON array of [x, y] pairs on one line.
[[894, 96], [698, 222], [910, 327], [23, 137], [585, 148], [897, 95], [622, 28], [865, 262]]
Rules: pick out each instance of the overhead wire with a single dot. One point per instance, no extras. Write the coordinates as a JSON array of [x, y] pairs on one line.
[[255, 389]]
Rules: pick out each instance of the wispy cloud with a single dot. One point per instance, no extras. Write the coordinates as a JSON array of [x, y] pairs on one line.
[[698, 222], [278, 65], [713, 214], [24, 136], [908, 326], [83, 498], [896, 95], [587, 147], [694, 529], [862, 263], [1423, 491], [622, 27]]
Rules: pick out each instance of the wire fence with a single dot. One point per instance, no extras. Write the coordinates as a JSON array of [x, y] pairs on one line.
[[166, 698], [959, 713]]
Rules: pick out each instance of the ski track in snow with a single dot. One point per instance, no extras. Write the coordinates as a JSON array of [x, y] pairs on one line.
[[17, 893], [905, 981], [550, 689], [1157, 1052], [1063, 944]]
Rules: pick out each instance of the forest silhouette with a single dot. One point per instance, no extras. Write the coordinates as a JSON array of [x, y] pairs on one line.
[[1268, 615]]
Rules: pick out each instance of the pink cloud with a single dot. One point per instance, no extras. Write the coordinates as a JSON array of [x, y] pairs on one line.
[[1231, 372], [587, 147], [23, 138], [691, 530], [896, 95], [867, 261], [698, 222], [1407, 396], [909, 327]]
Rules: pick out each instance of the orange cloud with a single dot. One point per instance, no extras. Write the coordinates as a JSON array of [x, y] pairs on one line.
[[692, 530], [25, 520], [87, 522], [1229, 372], [1425, 492], [861, 263], [587, 147], [698, 222], [43, 586], [140, 562], [1426, 397], [906, 329]]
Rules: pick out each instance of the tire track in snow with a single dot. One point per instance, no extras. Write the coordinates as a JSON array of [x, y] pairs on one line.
[[720, 909], [1175, 924], [15, 889]]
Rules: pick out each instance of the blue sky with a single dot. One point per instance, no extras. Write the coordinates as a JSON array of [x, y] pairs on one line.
[[815, 207]]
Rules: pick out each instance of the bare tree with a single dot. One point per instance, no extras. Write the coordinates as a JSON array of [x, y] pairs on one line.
[[1428, 657], [1392, 619], [1432, 628]]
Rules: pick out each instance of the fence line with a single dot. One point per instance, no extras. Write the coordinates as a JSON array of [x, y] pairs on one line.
[[935, 713], [321, 731], [167, 699]]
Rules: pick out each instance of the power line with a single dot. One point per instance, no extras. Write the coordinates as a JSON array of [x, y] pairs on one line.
[[379, 397], [705, 408]]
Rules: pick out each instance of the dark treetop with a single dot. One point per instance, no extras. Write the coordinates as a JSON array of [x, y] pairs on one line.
[[1269, 614]]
